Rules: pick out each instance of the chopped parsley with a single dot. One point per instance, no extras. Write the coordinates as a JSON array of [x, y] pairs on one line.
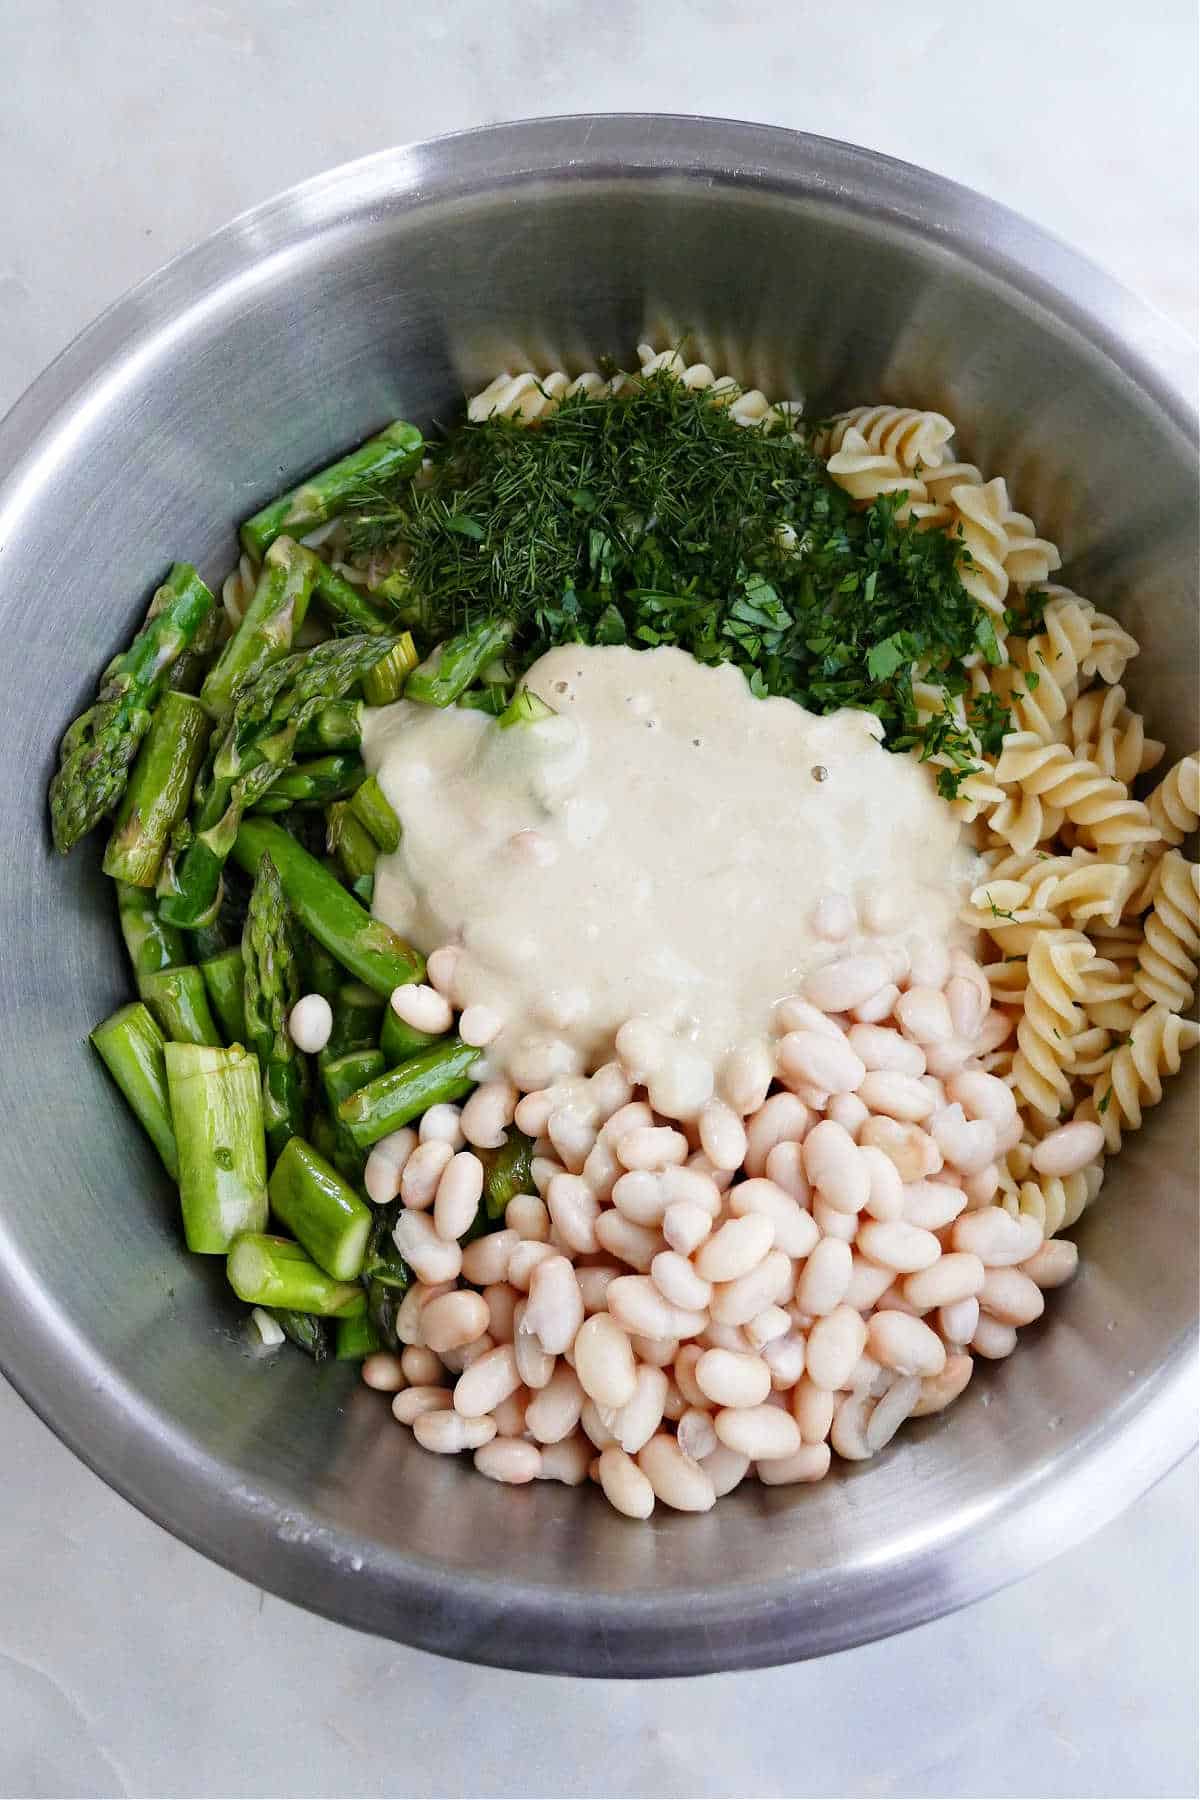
[[656, 519]]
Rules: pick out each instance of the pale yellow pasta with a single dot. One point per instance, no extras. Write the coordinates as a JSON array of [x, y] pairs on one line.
[[1112, 648], [1105, 731], [1028, 558], [1134, 1077], [1174, 806], [979, 520], [1101, 806], [1051, 1018], [1044, 672], [529, 397], [1166, 968], [1056, 1202], [915, 440], [865, 473], [238, 588]]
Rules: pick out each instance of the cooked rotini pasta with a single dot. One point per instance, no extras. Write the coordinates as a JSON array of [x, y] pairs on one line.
[[1133, 1080], [1106, 732], [1174, 806], [1095, 802], [1055, 1201], [1051, 1019], [1166, 970], [914, 440]]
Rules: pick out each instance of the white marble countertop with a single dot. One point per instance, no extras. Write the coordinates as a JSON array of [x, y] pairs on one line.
[[128, 1664]]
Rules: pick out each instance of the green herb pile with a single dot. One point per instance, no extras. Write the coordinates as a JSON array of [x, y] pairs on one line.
[[656, 519]]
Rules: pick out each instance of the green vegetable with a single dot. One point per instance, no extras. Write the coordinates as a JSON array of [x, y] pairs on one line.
[[353, 849], [365, 946], [385, 681], [399, 1041], [344, 604], [306, 1331], [338, 726], [356, 1338], [274, 1272], [152, 943], [392, 1099], [159, 789], [457, 663], [386, 1276], [271, 989], [370, 807], [178, 998], [268, 627], [98, 749], [395, 452], [326, 1215], [357, 1019], [217, 1113], [525, 708], [508, 1171], [314, 783], [341, 1076], [224, 977], [132, 1048]]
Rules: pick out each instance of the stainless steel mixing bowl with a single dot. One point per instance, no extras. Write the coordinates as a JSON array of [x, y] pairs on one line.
[[385, 288]]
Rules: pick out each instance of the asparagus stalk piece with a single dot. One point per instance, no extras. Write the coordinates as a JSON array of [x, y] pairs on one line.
[[357, 1020], [392, 1099], [369, 805], [178, 998], [97, 752], [305, 1330], [271, 989], [314, 783], [365, 946], [353, 849], [322, 972], [342, 1076], [399, 1041], [386, 1276], [395, 452], [455, 664], [344, 604], [323, 1135], [493, 697], [216, 1107], [385, 682], [275, 1272], [323, 1212], [508, 1171], [356, 1338], [338, 726], [256, 748], [187, 675], [159, 789], [152, 943], [132, 1048], [269, 624], [225, 979], [525, 708]]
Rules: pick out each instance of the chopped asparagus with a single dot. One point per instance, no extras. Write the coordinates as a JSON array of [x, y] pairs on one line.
[[132, 1048], [400, 1094], [269, 624], [508, 1172], [525, 708], [178, 998], [399, 1041], [385, 682], [305, 1330], [216, 1107], [275, 1272], [314, 783], [365, 946], [455, 664], [271, 989], [98, 750], [357, 1019], [344, 604], [353, 849], [225, 977], [395, 452], [338, 726], [370, 806], [342, 1076], [326, 1215], [159, 789], [356, 1338], [152, 943]]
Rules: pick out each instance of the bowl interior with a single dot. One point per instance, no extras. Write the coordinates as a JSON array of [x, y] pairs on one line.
[[386, 290]]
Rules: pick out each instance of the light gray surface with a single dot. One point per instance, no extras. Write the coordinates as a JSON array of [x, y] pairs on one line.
[[154, 1668]]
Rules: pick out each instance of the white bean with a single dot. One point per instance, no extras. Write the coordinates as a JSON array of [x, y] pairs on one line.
[[933, 1204], [993, 1338], [783, 1118], [877, 1006], [983, 1096], [422, 1007], [898, 1096], [659, 1352], [676, 1480], [601, 1169], [835, 1344], [930, 963], [408, 1314], [940, 1390], [735, 1248], [594, 1283], [509, 1459], [763, 1433], [422, 1172], [641, 1047], [692, 1183], [981, 1187], [809, 1463], [555, 1310], [924, 1016], [912, 1150], [736, 1302], [848, 1111], [890, 1412], [885, 1194], [385, 1164], [489, 1380], [488, 1113], [785, 1357], [446, 1433], [695, 1435], [408, 1406], [532, 1112], [310, 1023], [604, 1361], [440, 966], [625, 1487], [543, 1169], [867, 1282], [510, 1414], [835, 1168], [848, 982], [848, 1432], [534, 1365], [455, 1361], [998, 1240], [478, 1025], [785, 1167], [829, 1064], [744, 1078], [501, 1299], [686, 1225], [959, 1321], [1011, 1297], [1071, 1148], [944, 1061], [970, 1144], [638, 1306], [1053, 1264], [442, 1121], [458, 1193], [727, 1379], [955, 1276], [384, 1372], [771, 1323], [432, 1258], [610, 1088], [822, 1282], [722, 1135], [420, 1365], [812, 1409], [641, 1197], [485, 1260], [833, 917], [635, 1423], [634, 1244], [453, 1320], [566, 1462], [798, 1014], [831, 1223], [553, 1412], [879, 1047], [678, 1282], [725, 1469], [682, 1085], [573, 1134], [905, 1344], [525, 1259], [528, 1216], [651, 1147], [897, 1245], [795, 1231], [574, 1210]]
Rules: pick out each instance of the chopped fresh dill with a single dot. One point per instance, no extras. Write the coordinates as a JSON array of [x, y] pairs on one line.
[[656, 519]]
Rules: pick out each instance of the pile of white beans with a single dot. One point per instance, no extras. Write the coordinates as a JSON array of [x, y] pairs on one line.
[[700, 1292]]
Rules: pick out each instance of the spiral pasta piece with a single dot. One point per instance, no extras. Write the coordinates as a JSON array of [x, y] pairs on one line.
[[1055, 1202], [913, 439], [1105, 731], [1098, 804], [1051, 1019], [1044, 672], [528, 397], [237, 589], [1112, 648], [1133, 1080], [1166, 966], [1037, 890], [748, 406], [1174, 806], [979, 515], [1028, 558], [865, 473]]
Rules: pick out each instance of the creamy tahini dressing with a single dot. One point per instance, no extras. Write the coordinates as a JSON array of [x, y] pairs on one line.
[[657, 848]]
